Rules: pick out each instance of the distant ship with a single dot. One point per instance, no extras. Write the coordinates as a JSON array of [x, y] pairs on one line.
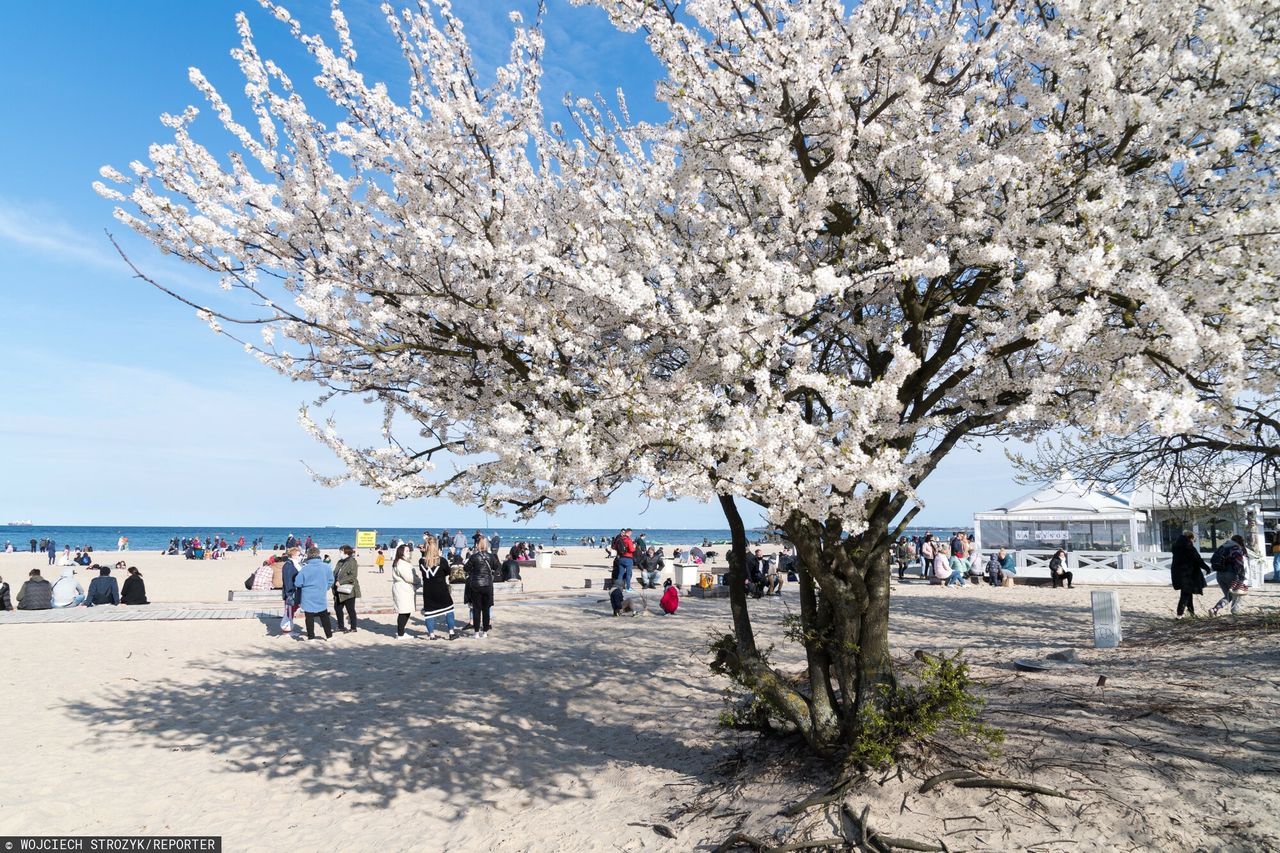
[[18, 524]]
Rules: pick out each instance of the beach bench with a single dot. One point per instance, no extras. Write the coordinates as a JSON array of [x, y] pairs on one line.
[[255, 595]]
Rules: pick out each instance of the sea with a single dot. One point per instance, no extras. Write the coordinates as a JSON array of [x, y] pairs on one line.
[[105, 537]]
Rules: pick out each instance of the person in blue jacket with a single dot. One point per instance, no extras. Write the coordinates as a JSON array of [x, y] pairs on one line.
[[103, 589], [313, 582]]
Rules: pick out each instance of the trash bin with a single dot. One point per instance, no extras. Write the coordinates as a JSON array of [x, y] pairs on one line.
[[542, 560]]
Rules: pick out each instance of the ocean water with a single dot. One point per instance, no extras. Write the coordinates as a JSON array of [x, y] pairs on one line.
[[104, 538]]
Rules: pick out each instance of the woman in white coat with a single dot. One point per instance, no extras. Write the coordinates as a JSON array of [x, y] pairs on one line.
[[403, 576]]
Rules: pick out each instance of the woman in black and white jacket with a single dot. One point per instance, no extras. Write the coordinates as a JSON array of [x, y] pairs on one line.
[[437, 600]]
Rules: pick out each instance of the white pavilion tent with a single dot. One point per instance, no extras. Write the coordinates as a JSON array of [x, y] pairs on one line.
[[1065, 515]]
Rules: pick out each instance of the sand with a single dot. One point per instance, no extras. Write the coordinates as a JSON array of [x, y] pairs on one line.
[[568, 729]]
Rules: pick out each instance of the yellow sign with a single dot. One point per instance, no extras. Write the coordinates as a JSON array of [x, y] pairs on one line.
[[366, 538]]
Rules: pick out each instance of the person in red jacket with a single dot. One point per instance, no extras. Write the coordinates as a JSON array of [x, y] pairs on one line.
[[626, 549], [670, 598]]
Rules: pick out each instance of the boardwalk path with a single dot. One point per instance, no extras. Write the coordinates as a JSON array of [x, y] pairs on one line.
[[169, 612]]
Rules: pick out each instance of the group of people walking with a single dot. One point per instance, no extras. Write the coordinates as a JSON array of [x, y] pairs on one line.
[[1188, 570]]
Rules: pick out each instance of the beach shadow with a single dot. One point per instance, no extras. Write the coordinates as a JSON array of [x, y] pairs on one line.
[[535, 718]]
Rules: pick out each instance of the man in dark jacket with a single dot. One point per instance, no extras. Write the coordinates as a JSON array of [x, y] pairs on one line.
[[36, 593], [103, 589], [1187, 570], [755, 573]]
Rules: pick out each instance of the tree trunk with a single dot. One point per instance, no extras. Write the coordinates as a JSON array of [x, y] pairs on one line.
[[875, 667], [740, 659]]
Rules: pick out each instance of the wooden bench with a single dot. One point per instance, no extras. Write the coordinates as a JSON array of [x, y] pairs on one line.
[[256, 595]]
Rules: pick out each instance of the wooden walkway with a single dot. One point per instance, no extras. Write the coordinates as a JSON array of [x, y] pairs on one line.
[[171, 612], [147, 613]]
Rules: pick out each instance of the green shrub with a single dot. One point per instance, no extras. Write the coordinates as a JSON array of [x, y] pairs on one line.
[[941, 698]]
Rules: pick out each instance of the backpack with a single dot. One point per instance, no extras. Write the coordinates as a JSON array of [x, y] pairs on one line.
[[1218, 562]]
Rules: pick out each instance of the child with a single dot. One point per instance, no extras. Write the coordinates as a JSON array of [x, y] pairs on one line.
[[380, 561], [670, 597]]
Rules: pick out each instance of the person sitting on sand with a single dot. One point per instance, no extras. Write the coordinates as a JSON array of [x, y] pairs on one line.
[[772, 576], [622, 604], [134, 591], [67, 591], [1058, 569], [103, 589], [36, 593], [1008, 563], [959, 569], [670, 598], [973, 568], [5, 603]]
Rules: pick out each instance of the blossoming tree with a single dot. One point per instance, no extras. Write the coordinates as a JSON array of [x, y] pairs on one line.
[[867, 233]]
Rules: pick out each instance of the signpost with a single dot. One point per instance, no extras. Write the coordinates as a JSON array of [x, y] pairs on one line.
[[366, 539]]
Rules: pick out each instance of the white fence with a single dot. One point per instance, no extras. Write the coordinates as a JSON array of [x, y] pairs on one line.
[[1148, 568]]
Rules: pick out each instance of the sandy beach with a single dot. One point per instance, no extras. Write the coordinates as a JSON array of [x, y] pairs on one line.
[[568, 729]]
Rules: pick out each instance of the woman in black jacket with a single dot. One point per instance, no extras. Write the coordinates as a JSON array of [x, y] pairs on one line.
[[482, 567], [1187, 570], [1058, 569], [134, 590]]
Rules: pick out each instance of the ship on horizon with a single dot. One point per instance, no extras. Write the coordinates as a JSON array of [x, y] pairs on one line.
[[18, 524]]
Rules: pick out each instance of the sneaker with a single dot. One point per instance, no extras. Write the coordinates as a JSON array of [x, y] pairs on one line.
[[483, 634]]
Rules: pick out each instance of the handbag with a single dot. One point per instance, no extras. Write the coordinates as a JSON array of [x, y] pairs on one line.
[[345, 588], [1239, 587], [248, 582]]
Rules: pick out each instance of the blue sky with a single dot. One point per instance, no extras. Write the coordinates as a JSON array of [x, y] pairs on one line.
[[119, 407]]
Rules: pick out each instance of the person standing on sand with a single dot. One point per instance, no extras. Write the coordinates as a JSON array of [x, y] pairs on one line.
[[402, 582], [52, 551], [380, 561], [1187, 570], [459, 542], [289, 590], [481, 568], [313, 582], [346, 588], [5, 603], [437, 599]]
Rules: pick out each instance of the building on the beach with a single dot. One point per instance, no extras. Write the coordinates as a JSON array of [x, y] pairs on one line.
[[1065, 515], [1108, 534]]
